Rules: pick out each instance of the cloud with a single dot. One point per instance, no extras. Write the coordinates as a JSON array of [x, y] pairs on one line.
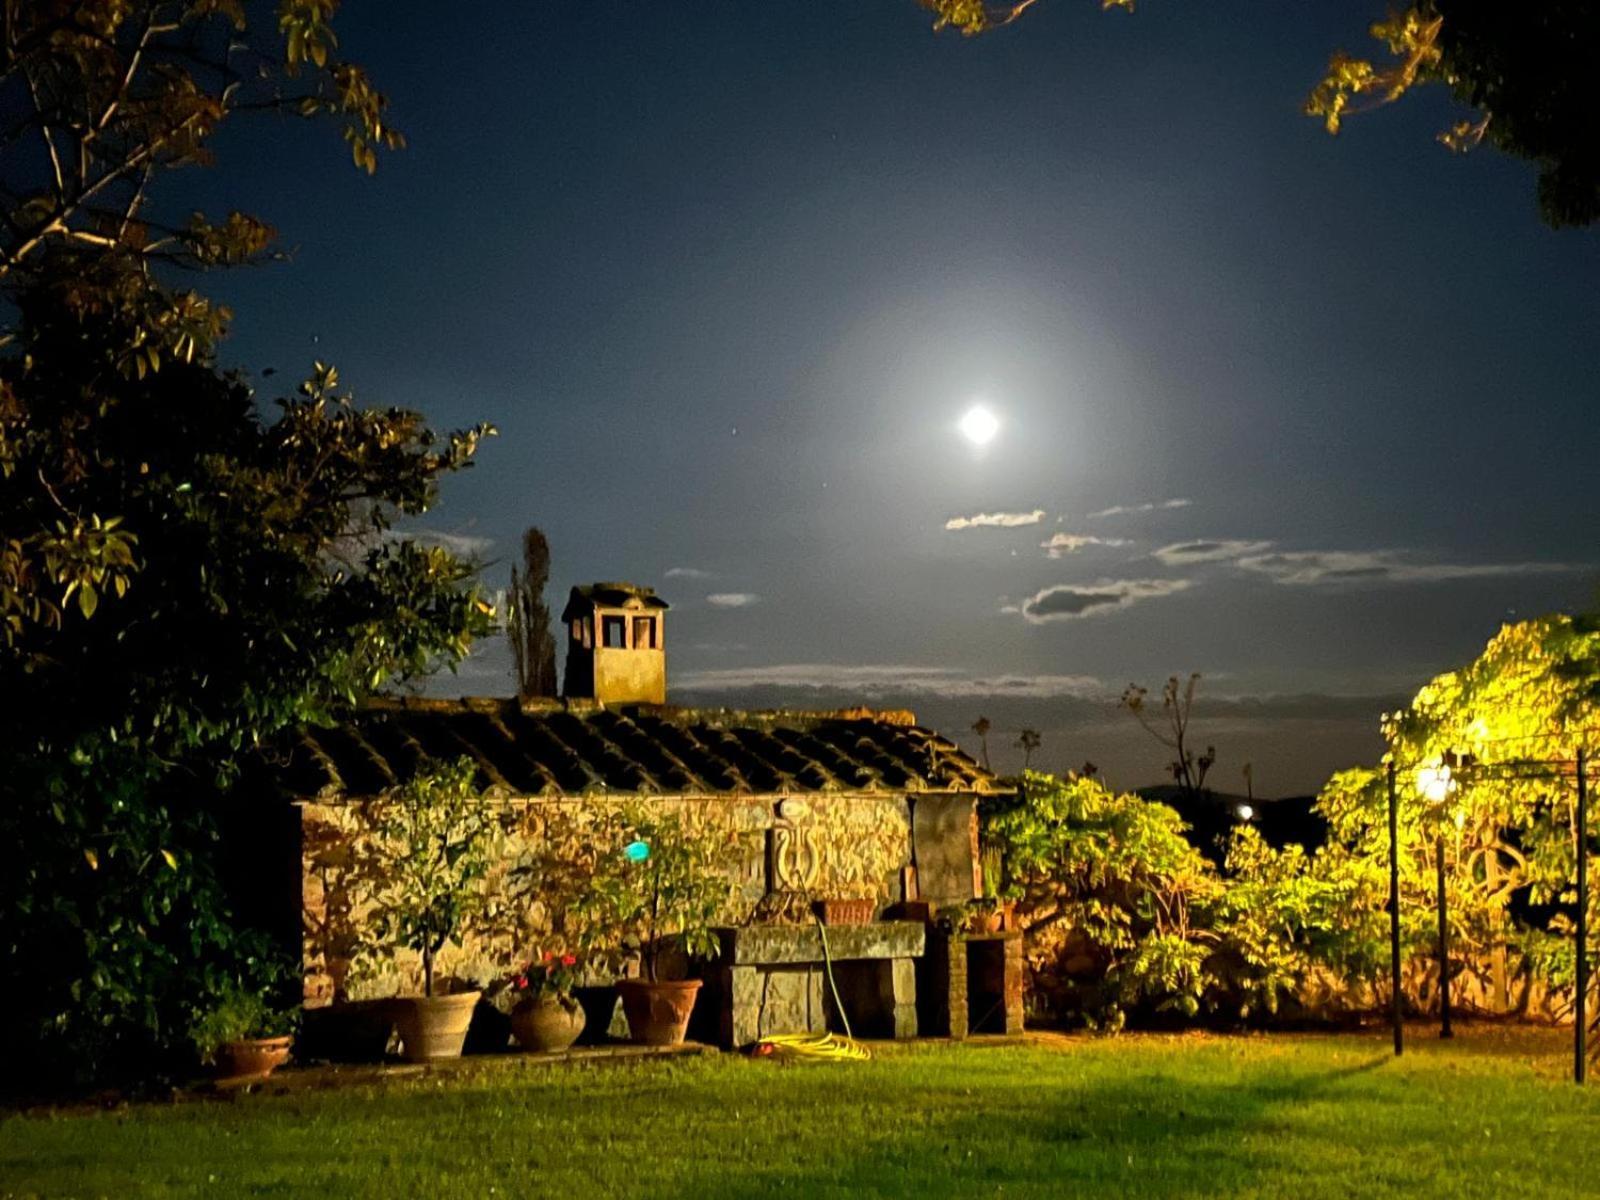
[[462, 545], [732, 599], [889, 680], [1309, 568], [1182, 554], [997, 520], [686, 573], [1062, 544], [1068, 601], [1124, 510]]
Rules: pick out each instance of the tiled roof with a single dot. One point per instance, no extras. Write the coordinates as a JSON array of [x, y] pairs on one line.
[[573, 748]]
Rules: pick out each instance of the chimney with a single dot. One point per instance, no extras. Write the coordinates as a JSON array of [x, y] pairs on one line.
[[616, 652]]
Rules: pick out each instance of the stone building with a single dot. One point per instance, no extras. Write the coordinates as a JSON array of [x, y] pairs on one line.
[[853, 804]]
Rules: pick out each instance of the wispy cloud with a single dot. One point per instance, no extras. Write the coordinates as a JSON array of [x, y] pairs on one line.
[[890, 680], [1309, 568], [996, 520], [1062, 544], [1182, 554], [462, 545], [1149, 506], [686, 573], [732, 599], [1066, 602]]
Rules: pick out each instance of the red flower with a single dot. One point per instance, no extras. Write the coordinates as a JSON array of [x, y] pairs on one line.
[[568, 960], [548, 955], [522, 982]]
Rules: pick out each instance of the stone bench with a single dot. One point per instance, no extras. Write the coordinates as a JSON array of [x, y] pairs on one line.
[[770, 979]]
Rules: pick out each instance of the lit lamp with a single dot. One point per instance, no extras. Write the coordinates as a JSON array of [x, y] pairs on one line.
[[1436, 784]]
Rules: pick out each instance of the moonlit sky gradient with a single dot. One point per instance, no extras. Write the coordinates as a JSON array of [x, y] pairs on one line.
[[726, 276]]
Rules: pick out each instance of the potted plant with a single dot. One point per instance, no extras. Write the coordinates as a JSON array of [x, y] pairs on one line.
[[663, 889], [434, 841], [995, 912], [243, 1035], [546, 1016]]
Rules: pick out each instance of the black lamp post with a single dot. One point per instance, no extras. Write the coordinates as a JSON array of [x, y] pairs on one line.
[[1580, 1048], [1444, 941], [1394, 915], [1436, 784]]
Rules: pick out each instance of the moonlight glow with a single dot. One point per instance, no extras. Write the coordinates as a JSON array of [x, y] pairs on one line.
[[979, 425]]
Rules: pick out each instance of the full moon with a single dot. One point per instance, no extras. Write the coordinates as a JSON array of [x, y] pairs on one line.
[[979, 425]]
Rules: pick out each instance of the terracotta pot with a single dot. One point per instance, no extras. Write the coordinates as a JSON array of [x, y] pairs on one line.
[[1008, 916], [544, 1024], [251, 1058], [434, 1026], [845, 912], [987, 921], [658, 1013]]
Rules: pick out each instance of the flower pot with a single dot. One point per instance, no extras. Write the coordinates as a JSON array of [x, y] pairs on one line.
[[434, 1026], [250, 1059], [845, 912], [544, 1023], [658, 1013], [1000, 919]]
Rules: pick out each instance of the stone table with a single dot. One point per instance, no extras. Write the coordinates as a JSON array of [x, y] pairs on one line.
[[770, 979]]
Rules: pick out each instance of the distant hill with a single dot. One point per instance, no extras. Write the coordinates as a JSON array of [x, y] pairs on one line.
[[1211, 817]]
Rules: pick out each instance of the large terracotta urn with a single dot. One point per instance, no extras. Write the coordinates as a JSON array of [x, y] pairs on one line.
[[658, 1012]]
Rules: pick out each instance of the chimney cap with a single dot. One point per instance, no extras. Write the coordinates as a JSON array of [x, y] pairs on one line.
[[610, 595]]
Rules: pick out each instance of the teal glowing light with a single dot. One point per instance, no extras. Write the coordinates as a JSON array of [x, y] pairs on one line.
[[636, 851]]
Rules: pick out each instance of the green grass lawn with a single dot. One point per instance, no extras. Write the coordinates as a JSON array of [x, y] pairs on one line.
[[1490, 1114]]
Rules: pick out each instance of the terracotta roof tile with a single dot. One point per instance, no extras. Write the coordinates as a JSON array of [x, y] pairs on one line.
[[559, 748]]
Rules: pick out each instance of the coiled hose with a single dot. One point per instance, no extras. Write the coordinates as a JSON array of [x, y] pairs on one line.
[[820, 1046]]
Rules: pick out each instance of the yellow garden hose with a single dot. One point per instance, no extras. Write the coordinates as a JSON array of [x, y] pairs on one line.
[[817, 1045], [811, 1045]]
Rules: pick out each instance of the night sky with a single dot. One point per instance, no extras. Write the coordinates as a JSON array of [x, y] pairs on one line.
[[726, 276]]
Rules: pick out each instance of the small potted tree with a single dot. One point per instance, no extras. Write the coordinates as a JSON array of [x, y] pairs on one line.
[[434, 841], [663, 889], [546, 1016], [995, 911], [243, 1035]]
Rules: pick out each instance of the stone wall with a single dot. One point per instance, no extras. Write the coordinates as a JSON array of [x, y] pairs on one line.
[[835, 845]]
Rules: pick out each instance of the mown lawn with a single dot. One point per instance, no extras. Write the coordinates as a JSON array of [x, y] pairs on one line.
[[1282, 1116]]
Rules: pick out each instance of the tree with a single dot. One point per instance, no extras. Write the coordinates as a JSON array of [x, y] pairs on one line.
[[186, 574], [111, 93], [268, 594], [1525, 69], [981, 727], [1028, 741], [1521, 711], [533, 646], [1177, 704], [108, 96]]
